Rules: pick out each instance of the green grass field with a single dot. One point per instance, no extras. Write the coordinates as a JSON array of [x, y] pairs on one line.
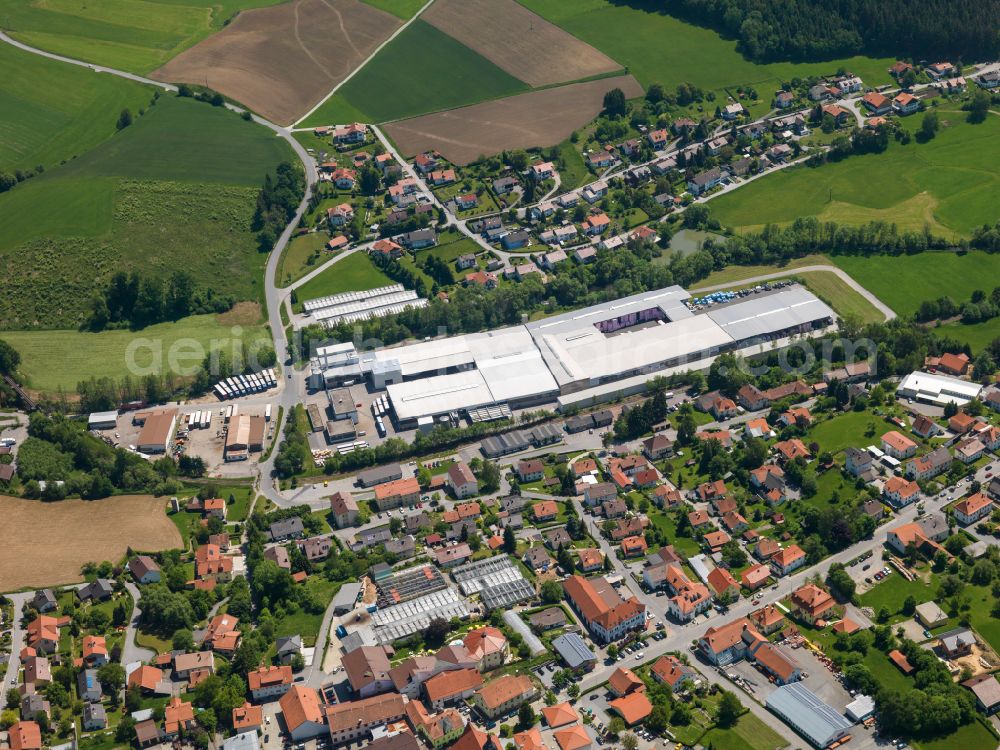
[[845, 301], [404, 9], [656, 47], [947, 184], [750, 733], [973, 736], [906, 281], [53, 111], [60, 359], [175, 190], [422, 70], [294, 263], [976, 335], [845, 430], [134, 35], [354, 273]]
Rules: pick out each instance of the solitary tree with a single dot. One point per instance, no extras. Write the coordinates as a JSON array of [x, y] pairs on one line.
[[614, 103], [125, 118]]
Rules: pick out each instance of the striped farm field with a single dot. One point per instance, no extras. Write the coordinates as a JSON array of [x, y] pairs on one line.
[[53, 111]]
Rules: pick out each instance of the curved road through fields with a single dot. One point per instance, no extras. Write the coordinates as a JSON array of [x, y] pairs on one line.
[[290, 393], [883, 308]]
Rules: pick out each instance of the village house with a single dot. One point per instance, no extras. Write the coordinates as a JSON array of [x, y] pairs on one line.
[[971, 509]]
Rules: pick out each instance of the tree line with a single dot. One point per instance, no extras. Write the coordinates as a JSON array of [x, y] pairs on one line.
[[822, 30], [133, 300], [277, 202]]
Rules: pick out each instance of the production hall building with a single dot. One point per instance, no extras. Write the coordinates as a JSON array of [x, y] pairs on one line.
[[578, 355]]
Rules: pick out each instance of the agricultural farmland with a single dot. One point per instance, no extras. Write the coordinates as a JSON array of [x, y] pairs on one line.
[[537, 118], [133, 35], [519, 41], [656, 47], [904, 282], [948, 184], [77, 532], [175, 190], [54, 111], [281, 60], [421, 70]]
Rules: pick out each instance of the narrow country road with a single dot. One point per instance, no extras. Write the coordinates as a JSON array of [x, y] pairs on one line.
[[840, 273], [292, 390], [131, 651], [16, 641]]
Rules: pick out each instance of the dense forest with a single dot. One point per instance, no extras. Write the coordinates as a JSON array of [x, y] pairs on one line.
[[770, 30]]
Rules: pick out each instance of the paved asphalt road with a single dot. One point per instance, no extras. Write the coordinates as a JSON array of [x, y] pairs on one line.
[[132, 652], [16, 642]]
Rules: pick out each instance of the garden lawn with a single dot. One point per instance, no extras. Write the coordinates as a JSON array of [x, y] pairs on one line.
[[354, 273], [133, 35], [750, 733], [60, 359], [685, 546], [946, 184], [421, 70], [846, 430], [891, 592], [973, 736], [305, 623], [656, 47], [904, 282], [53, 111], [572, 170]]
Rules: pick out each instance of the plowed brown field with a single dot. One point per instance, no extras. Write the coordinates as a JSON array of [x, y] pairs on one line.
[[47, 543], [281, 60], [538, 118], [518, 41]]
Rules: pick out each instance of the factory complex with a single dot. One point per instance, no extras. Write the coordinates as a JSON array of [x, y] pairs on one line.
[[572, 357]]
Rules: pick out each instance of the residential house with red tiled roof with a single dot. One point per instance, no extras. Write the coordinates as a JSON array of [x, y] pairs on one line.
[[787, 560], [971, 509], [811, 603], [601, 609]]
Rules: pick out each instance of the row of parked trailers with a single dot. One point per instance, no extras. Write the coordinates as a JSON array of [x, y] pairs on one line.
[[380, 410], [244, 385], [199, 420]]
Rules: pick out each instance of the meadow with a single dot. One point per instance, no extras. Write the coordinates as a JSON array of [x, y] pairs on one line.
[[656, 47], [904, 282], [133, 35], [948, 184], [174, 191], [300, 256], [395, 83], [53, 111], [356, 272], [53, 360]]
